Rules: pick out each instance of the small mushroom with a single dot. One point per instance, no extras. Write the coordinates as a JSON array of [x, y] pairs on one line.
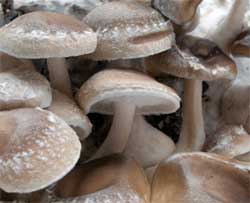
[[48, 35], [179, 11], [200, 178], [241, 46], [230, 141], [147, 145], [22, 87], [128, 30], [36, 149], [195, 60], [65, 108], [109, 179], [124, 93]]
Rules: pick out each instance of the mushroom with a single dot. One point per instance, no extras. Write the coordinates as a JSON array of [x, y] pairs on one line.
[[179, 11], [66, 108], [124, 93], [147, 145], [128, 30], [109, 179], [36, 149], [241, 46], [230, 141], [48, 35], [200, 178], [195, 60], [22, 87], [243, 157]]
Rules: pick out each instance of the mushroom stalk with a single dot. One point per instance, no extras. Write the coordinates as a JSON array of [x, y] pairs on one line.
[[117, 137], [59, 76], [192, 136]]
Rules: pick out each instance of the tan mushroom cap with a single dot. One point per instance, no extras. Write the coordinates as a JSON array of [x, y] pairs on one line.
[[128, 30], [200, 178], [109, 179], [114, 85], [22, 87], [65, 108], [195, 58], [179, 11], [45, 34], [230, 141], [36, 149], [241, 46]]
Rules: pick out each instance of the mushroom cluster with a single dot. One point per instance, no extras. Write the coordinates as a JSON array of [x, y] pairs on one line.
[[79, 98]]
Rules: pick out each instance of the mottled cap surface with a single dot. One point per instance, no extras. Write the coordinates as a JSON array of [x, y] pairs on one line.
[[128, 30], [194, 58], [241, 46], [46, 34], [37, 148], [114, 85], [22, 87]]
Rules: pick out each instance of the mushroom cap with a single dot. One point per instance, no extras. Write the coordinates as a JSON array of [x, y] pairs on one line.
[[45, 34], [110, 178], [195, 58], [200, 177], [241, 46], [114, 85], [22, 87], [128, 30], [36, 149], [65, 108], [179, 11], [230, 141]]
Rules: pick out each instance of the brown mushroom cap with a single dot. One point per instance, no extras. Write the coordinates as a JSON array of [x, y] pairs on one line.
[[109, 179], [128, 30], [200, 177], [45, 35], [195, 58], [241, 46], [22, 87], [67, 109], [179, 11], [104, 88], [36, 149]]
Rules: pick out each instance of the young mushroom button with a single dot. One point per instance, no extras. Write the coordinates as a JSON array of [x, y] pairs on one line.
[[195, 60], [36, 149], [48, 35], [124, 93], [128, 30]]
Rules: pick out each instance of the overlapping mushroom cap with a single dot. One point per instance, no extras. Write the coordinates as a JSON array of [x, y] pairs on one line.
[[241, 46], [36, 149], [194, 58], [45, 35], [128, 30]]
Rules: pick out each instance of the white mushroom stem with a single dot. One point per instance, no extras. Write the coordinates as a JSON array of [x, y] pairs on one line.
[[120, 130], [147, 145], [192, 136], [59, 76]]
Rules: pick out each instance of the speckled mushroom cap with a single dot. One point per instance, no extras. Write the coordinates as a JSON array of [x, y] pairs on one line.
[[108, 86], [67, 109], [36, 149], [179, 11], [195, 58], [110, 179], [22, 87], [241, 46], [201, 177], [45, 34], [128, 30]]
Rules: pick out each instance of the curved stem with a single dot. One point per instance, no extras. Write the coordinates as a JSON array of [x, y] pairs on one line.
[[59, 76], [120, 130], [192, 136], [147, 145]]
